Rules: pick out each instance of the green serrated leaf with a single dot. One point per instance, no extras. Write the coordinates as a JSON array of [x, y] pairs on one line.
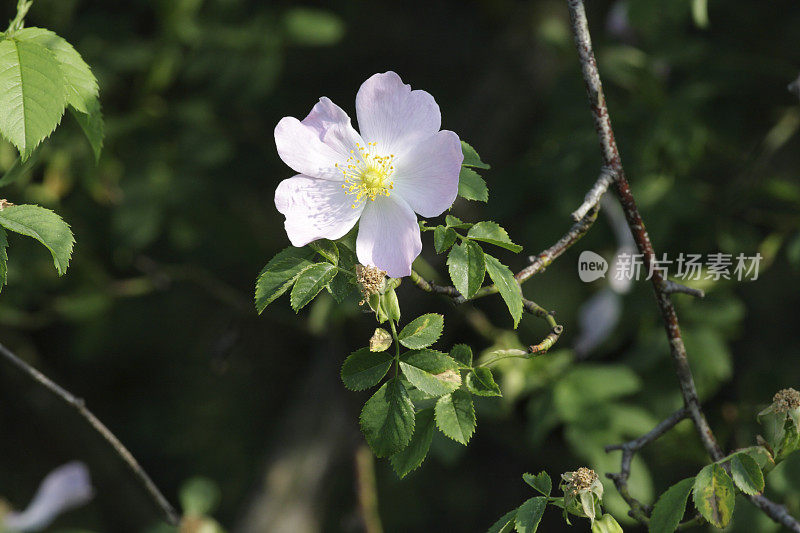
[[80, 83], [32, 93], [310, 282], [3, 258], [471, 185], [541, 482], [92, 125], [43, 225], [505, 524], [455, 416], [471, 157], [467, 268], [432, 372], [455, 222], [530, 514], [414, 454], [493, 233], [747, 474], [443, 238], [344, 284], [279, 274], [387, 419], [462, 354], [480, 382], [714, 495], [505, 282], [363, 368], [422, 331], [327, 249], [670, 507]]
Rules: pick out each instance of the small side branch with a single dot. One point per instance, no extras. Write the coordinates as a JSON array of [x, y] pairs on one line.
[[40, 380], [592, 197], [639, 511], [671, 287]]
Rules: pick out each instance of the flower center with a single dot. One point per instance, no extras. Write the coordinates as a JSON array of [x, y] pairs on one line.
[[367, 175]]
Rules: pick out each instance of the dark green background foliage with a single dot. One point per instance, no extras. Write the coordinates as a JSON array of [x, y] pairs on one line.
[[154, 324]]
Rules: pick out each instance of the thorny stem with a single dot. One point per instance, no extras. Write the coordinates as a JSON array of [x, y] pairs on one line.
[[40, 380], [611, 160]]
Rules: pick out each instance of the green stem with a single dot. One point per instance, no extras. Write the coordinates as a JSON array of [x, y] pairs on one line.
[[19, 20], [396, 348]]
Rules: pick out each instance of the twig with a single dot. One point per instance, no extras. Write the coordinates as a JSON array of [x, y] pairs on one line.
[[366, 489], [639, 511], [611, 159], [40, 380], [592, 197], [671, 287]]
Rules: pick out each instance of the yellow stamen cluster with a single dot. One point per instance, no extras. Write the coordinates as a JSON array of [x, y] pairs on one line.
[[366, 174]]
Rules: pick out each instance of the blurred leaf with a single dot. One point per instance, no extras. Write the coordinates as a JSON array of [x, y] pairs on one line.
[[363, 368], [493, 233], [509, 289], [387, 419], [747, 474], [199, 496], [3, 258], [472, 186], [589, 386], [541, 482], [313, 27], [455, 416], [310, 282], [467, 268], [32, 93], [279, 274], [713, 495], [670, 507], [43, 225], [422, 331], [530, 514], [412, 456], [92, 125], [700, 13]]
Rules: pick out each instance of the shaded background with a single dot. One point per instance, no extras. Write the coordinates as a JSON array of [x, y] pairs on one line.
[[154, 324]]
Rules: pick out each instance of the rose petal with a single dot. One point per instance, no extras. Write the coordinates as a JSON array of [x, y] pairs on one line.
[[315, 209], [427, 176], [314, 146], [392, 115], [388, 236]]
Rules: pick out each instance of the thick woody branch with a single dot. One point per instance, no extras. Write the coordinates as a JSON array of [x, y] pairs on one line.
[[39, 380], [611, 159]]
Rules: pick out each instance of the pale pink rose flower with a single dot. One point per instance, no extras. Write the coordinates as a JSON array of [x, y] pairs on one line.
[[400, 165]]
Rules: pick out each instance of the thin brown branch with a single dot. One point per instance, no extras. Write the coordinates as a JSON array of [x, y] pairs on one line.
[[639, 511], [158, 500], [611, 159]]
